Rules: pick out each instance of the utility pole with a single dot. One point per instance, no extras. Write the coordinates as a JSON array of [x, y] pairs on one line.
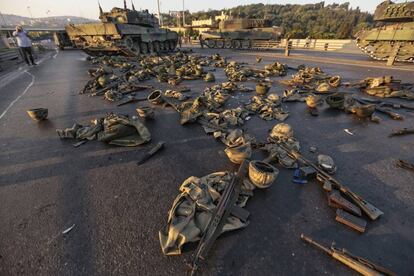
[[183, 15], [31, 16], [4, 20], [159, 14]]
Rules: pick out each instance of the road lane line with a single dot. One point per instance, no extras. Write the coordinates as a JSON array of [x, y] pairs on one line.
[[57, 52], [11, 76], [21, 95]]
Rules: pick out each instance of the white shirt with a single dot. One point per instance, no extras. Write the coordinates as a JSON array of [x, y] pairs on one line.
[[22, 39]]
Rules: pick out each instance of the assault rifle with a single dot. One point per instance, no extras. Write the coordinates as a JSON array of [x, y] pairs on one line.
[[358, 264], [402, 131], [224, 208], [370, 210]]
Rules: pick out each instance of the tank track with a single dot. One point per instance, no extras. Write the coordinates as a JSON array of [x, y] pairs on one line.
[[381, 50], [133, 46]]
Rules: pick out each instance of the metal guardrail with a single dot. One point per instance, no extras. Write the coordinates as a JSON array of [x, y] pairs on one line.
[[315, 44], [9, 54]]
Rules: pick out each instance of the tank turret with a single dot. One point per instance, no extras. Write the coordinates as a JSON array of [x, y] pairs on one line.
[[126, 16], [395, 35], [246, 33], [388, 11]]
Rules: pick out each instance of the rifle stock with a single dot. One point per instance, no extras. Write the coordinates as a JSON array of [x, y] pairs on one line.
[[355, 265]]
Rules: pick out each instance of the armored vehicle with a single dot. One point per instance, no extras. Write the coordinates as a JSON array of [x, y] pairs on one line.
[[394, 36], [124, 32], [62, 40], [243, 33]]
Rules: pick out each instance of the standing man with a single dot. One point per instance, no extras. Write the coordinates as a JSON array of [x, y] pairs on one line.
[[25, 45], [200, 38], [180, 37]]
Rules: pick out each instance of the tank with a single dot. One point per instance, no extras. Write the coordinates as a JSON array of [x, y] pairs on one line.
[[395, 34], [242, 33], [62, 40], [122, 31]]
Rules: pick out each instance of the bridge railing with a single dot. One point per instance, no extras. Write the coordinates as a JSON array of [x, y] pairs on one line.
[[313, 44]]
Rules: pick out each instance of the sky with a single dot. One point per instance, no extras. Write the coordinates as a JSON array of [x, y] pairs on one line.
[[88, 8]]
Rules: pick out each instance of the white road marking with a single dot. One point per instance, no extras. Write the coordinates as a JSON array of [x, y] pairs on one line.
[[21, 95], [55, 55], [9, 77]]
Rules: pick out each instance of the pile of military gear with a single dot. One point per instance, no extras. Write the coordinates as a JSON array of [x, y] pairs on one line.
[[194, 207], [211, 205], [238, 144], [284, 149], [313, 101], [116, 76], [294, 95], [386, 87], [276, 69], [313, 79], [236, 72], [112, 129], [218, 61], [268, 108]]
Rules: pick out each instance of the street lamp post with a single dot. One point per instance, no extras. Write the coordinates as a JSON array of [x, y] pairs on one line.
[[30, 12], [159, 14], [4, 20]]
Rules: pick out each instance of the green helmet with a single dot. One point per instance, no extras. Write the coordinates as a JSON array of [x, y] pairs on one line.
[[262, 174], [210, 77], [102, 81], [38, 114]]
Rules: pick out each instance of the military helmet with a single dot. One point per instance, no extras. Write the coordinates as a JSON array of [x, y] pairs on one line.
[[102, 81], [335, 81], [313, 100], [364, 111], [38, 114], [281, 131], [336, 100], [323, 87], [239, 153], [155, 97], [262, 174], [262, 88], [210, 77], [326, 163]]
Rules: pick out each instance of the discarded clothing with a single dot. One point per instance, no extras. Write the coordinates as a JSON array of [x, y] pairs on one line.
[[192, 211], [268, 108], [112, 129]]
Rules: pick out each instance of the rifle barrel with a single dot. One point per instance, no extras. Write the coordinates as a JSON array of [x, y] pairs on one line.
[[316, 244]]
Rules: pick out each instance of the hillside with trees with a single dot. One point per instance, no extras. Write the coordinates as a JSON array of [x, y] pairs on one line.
[[335, 21]]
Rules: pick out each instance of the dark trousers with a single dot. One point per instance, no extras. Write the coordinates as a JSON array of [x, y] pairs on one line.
[[27, 54]]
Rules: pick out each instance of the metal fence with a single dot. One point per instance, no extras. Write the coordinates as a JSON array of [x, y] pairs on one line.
[[313, 44]]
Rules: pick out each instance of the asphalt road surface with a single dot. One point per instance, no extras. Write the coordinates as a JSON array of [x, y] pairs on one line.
[[116, 208]]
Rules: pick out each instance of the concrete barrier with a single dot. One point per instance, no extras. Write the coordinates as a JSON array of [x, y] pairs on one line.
[[323, 44]]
